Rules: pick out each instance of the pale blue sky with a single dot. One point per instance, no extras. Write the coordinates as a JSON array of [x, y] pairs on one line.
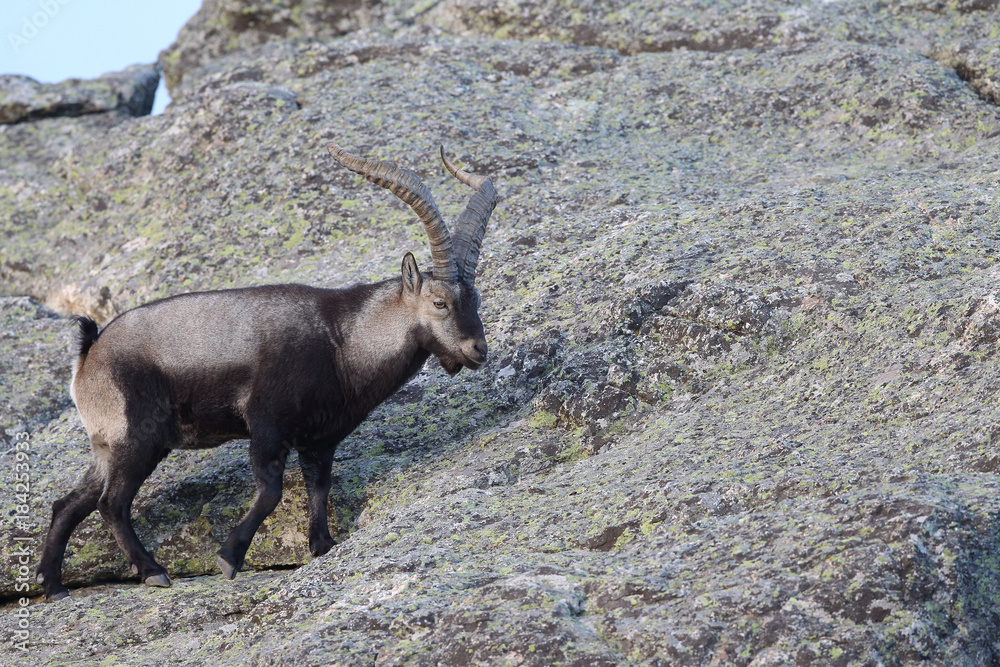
[[52, 40]]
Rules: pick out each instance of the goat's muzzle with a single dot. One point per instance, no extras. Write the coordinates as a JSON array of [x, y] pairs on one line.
[[473, 356], [477, 355]]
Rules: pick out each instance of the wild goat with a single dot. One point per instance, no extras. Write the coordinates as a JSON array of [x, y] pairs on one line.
[[289, 366]]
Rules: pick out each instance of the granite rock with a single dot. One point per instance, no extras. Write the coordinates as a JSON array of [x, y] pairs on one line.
[[741, 298]]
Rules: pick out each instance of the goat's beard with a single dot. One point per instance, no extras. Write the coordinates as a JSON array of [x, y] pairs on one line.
[[450, 366]]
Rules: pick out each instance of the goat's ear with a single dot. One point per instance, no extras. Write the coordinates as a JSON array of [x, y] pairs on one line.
[[411, 274]]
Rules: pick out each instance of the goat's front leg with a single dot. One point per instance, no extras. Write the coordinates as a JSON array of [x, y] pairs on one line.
[[267, 455], [316, 474]]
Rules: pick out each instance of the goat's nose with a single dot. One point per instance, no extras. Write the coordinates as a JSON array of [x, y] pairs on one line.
[[480, 347]]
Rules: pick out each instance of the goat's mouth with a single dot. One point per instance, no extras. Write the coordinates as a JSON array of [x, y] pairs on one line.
[[475, 361], [454, 365]]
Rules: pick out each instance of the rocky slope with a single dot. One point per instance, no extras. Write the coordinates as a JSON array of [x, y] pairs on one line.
[[741, 297]]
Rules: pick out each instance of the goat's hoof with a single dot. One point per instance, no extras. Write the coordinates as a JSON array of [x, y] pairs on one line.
[[158, 580], [58, 595], [321, 545], [228, 570]]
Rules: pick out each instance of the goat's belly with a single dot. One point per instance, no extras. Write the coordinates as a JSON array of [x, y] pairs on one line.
[[195, 437], [204, 425]]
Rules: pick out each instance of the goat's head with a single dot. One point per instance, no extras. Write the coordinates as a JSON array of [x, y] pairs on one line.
[[445, 303]]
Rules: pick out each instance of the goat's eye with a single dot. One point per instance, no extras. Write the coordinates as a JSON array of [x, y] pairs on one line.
[[440, 304]]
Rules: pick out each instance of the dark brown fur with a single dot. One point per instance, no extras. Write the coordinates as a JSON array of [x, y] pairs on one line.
[[289, 366]]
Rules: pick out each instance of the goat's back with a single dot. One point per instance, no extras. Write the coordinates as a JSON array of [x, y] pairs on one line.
[[189, 367]]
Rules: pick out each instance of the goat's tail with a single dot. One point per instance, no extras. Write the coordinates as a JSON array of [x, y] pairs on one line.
[[87, 334], [85, 337]]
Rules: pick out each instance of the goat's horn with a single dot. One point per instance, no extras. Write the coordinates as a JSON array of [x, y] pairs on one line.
[[407, 186], [471, 225]]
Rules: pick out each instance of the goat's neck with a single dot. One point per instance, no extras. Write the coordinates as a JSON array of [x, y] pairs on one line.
[[379, 349]]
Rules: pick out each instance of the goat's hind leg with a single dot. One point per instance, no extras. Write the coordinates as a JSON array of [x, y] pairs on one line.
[[128, 468], [67, 513]]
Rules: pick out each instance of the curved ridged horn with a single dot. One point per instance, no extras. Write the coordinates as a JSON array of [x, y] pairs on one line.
[[407, 186], [471, 225]]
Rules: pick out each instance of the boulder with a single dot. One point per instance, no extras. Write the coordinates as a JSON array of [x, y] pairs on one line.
[[130, 92]]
